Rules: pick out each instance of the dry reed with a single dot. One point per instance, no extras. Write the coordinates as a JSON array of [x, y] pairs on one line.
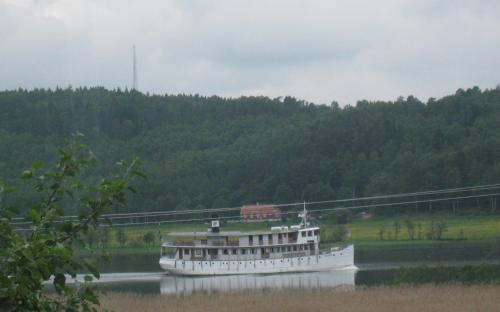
[[402, 298]]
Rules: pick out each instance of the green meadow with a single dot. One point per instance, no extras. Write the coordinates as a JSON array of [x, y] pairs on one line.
[[456, 228]]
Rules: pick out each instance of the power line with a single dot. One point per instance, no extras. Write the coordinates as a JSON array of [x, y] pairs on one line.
[[309, 210], [228, 209], [323, 210]]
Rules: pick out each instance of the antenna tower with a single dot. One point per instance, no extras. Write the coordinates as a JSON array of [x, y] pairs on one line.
[[134, 69]]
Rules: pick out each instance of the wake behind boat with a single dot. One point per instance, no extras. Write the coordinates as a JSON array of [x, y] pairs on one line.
[[281, 249]]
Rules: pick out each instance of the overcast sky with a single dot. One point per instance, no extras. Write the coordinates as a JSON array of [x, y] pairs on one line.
[[319, 51]]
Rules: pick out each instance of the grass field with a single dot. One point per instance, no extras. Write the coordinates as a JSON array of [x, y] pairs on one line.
[[454, 297], [359, 231], [472, 228]]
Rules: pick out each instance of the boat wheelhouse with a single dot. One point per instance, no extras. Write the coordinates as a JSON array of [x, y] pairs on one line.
[[281, 249]]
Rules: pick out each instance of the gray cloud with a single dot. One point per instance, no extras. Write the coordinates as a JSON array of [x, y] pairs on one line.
[[315, 50]]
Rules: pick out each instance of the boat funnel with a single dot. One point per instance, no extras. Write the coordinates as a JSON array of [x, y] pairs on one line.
[[215, 225]]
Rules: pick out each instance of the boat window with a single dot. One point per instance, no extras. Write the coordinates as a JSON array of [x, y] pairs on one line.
[[306, 247], [186, 251], [234, 251], [252, 251], [197, 252], [243, 251], [272, 250], [300, 247], [294, 248], [283, 249], [303, 234], [316, 232], [270, 237], [285, 234], [250, 239], [289, 248], [225, 251], [168, 251], [309, 233], [279, 236]]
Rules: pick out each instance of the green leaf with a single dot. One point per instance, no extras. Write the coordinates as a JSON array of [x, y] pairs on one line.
[[13, 210], [39, 188], [6, 190], [88, 278], [27, 174], [36, 165], [33, 215], [140, 174], [91, 266]]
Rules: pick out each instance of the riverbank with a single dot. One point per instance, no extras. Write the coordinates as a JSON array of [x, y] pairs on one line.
[[449, 297]]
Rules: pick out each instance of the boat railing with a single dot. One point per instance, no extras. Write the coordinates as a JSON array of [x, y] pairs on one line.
[[177, 243], [218, 244], [183, 243]]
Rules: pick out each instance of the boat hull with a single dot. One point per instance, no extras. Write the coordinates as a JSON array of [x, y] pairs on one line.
[[338, 259]]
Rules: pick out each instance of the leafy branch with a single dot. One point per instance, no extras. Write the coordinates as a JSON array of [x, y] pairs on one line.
[[28, 261]]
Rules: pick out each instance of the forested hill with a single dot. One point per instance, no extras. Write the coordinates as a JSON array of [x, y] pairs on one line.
[[217, 152]]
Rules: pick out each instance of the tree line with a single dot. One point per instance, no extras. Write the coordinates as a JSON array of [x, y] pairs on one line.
[[207, 152]]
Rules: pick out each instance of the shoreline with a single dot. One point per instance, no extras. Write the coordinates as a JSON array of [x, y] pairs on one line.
[[443, 297]]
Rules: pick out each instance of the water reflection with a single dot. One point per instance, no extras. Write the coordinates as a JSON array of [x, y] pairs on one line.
[[159, 282], [187, 285]]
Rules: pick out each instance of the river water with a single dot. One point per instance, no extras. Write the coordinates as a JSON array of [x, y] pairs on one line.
[[375, 265]]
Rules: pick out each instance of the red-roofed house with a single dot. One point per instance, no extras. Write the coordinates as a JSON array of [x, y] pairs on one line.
[[255, 213]]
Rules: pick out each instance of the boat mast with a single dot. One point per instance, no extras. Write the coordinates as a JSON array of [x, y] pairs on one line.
[[304, 215]]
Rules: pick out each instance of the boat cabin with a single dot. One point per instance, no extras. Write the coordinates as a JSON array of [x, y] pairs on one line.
[[279, 242]]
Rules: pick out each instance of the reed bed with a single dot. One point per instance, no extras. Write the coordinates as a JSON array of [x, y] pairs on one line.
[[443, 298]]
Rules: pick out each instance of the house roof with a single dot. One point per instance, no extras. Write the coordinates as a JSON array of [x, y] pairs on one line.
[[258, 209]]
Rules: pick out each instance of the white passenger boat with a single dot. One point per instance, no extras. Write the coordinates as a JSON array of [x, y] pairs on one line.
[[281, 249]]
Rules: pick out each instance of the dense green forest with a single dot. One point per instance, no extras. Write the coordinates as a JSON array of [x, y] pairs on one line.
[[218, 152]]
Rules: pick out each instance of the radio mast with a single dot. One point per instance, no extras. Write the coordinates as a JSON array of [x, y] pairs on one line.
[[134, 69]]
